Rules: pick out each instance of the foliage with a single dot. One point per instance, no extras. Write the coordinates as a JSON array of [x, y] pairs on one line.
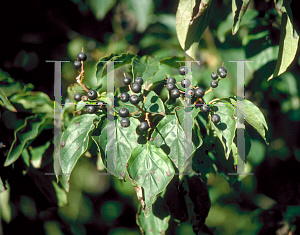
[[152, 163]]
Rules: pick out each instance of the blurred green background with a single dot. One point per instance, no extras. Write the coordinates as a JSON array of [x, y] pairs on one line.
[[35, 31]]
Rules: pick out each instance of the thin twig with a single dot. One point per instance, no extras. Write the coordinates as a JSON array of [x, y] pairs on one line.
[[210, 89], [147, 119]]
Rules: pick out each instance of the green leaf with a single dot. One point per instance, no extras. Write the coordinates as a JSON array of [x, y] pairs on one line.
[[25, 134], [9, 86], [61, 195], [226, 128], [26, 158], [153, 103], [125, 141], [203, 163], [197, 199], [226, 26], [170, 137], [150, 168], [181, 112], [143, 10], [157, 222], [254, 117], [264, 57], [174, 198], [5, 102], [37, 154], [145, 69], [190, 35], [101, 67], [250, 37], [2, 186], [47, 186], [288, 45], [173, 61], [33, 102], [75, 140], [238, 12], [100, 7]]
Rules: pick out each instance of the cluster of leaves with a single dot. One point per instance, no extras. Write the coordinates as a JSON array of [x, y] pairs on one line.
[[25, 116], [151, 160], [193, 17]]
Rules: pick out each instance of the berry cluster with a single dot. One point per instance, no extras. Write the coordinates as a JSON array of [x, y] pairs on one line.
[[222, 72], [134, 99], [197, 92], [91, 95], [81, 57]]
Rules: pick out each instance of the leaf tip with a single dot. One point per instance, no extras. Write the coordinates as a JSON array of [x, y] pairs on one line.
[[270, 78]]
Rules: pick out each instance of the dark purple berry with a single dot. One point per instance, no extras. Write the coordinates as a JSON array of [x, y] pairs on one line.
[[171, 80], [170, 86], [214, 84], [77, 97], [124, 112], [175, 93], [214, 76], [223, 74], [134, 99], [139, 80], [126, 80], [92, 94], [205, 108], [183, 70], [220, 69], [189, 93], [215, 118], [125, 122], [81, 56], [91, 109], [77, 64], [124, 97], [136, 87], [199, 92], [185, 83], [100, 104], [144, 126]]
